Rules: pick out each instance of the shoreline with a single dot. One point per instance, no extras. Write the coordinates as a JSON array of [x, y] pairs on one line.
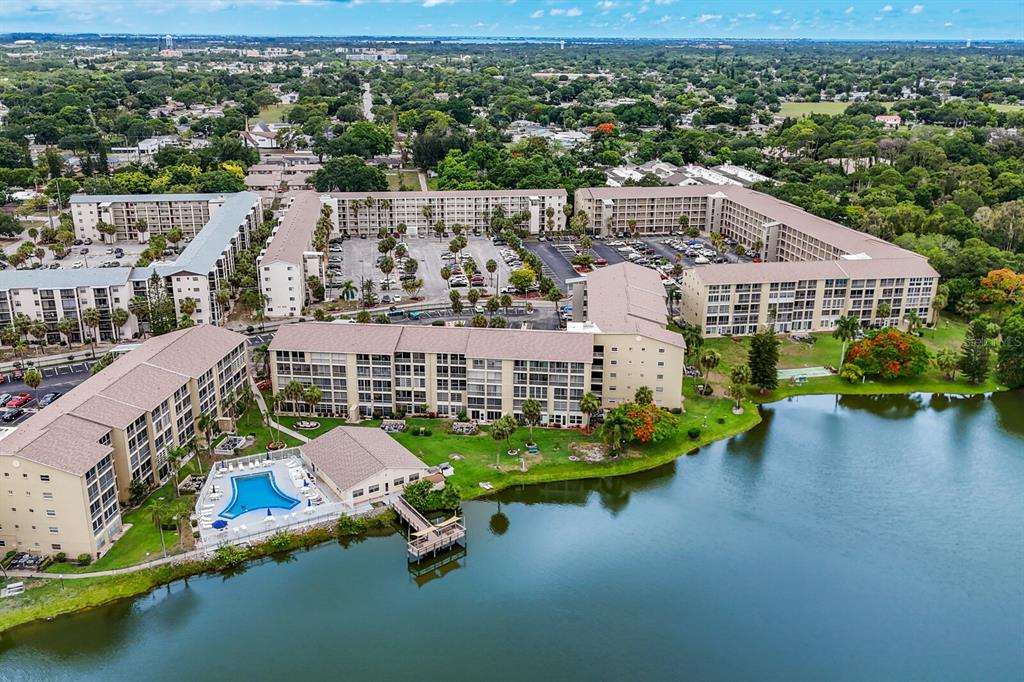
[[145, 580]]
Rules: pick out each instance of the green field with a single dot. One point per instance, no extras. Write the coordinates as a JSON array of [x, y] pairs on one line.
[[1007, 107], [396, 177], [275, 113], [949, 333]]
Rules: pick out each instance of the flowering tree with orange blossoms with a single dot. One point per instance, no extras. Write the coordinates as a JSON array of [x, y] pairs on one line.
[[648, 423], [889, 353]]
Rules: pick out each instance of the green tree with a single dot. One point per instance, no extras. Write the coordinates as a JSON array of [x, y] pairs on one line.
[[531, 413], [502, 429], [763, 360], [590, 405], [38, 330], [91, 320], [846, 331], [32, 378], [709, 360], [68, 327], [976, 350], [311, 396], [643, 396], [740, 379], [1010, 360], [456, 301], [615, 430], [522, 279], [948, 362]]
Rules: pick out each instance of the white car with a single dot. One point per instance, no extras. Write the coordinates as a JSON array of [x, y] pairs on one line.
[[479, 309], [77, 265], [701, 260]]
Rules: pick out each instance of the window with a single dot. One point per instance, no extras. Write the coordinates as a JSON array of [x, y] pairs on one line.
[[374, 489], [47, 496], [358, 492], [414, 477], [50, 512], [55, 546], [44, 477], [400, 480], [53, 530]]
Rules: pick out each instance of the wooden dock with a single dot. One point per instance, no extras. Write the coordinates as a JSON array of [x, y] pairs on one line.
[[424, 537]]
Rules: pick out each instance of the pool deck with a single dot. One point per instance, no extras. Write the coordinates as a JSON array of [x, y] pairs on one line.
[[216, 497]]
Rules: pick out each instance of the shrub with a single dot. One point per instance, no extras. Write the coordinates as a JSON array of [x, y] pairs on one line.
[[693, 432], [705, 389], [84, 559], [281, 542], [230, 557], [60, 557], [721, 420], [676, 410], [421, 496], [423, 432], [349, 526], [437, 323]]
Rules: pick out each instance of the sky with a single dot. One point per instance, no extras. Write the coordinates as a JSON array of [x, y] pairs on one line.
[[660, 19]]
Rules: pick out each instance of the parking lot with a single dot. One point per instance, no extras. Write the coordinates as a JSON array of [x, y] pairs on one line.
[[359, 258], [88, 255], [55, 380], [648, 251]]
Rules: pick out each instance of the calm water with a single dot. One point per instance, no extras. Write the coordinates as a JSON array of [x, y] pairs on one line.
[[864, 539]]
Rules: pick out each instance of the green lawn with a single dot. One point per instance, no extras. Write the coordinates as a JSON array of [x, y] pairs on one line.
[[141, 542], [948, 333], [799, 109], [252, 423], [275, 113], [485, 459], [1007, 107], [411, 178]]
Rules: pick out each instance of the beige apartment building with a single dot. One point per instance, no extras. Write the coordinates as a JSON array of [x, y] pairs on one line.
[[363, 214], [290, 258], [196, 273], [814, 271], [161, 213], [364, 370], [66, 470]]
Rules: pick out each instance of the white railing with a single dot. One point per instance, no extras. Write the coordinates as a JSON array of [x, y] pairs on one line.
[[213, 539]]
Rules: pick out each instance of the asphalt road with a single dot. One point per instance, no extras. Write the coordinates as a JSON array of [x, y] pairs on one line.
[[61, 379]]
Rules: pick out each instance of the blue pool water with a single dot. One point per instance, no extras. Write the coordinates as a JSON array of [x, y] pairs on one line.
[[253, 492]]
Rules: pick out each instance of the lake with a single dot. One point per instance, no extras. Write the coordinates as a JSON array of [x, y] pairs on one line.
[[857, 538]]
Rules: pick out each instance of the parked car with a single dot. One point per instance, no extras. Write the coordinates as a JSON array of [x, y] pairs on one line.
[[386, 298], [11, 414], [701, 260], [479, 309], [600, 262], [49, 398], [263, 385], [20, 400], [83, 250], [4, 397]]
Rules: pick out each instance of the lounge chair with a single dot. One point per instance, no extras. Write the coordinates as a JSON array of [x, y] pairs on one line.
[[231, 468]]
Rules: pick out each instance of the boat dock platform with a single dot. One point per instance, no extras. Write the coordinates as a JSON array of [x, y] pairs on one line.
[[426, 538]]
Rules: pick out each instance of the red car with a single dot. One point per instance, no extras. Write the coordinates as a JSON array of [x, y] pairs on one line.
[[600, 262], [20, 400], [264, 385]]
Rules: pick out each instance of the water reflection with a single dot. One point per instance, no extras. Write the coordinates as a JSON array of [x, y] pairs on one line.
[[437, 567], [613, 493], [894, 407], [1009, 406]]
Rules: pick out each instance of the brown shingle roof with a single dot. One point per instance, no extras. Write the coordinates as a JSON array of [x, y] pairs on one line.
[[295, 234], [113, 398], [349, 454], [626, 298], [872, 268]]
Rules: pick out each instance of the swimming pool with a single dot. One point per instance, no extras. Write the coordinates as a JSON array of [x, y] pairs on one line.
[[253, 492]]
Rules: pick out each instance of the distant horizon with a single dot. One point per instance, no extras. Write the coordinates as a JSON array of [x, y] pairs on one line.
[[654, 20]]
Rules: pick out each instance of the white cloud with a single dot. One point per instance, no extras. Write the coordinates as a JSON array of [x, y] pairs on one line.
[[571, 12], [748, 15], [887, 8], [435, 3], [557, 12], [537, 14], [662, 3], [705, 18], [664, 19], [917, 9], [776, 11], [574, 12], [606, 4], [948, 24], [628, 16], [848, 10], [643, 8]]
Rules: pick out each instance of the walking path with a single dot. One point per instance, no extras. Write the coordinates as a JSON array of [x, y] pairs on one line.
[[423, 181], [263, 408], [367, 103], [173, 558]]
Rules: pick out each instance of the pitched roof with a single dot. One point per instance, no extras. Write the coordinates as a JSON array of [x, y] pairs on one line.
[[626, 298], [871, 268], [115, 397], [294, 235], [349, 454], [510, 344]]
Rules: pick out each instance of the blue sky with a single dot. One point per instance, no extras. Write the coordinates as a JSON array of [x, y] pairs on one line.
[[845, 19]]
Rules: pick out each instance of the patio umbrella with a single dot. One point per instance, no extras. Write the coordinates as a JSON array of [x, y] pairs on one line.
[[305, 483], [268, 512], [219, 524]]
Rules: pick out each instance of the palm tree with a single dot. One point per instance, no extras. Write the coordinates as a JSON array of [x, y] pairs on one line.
[[38, 331], [273, 400], [492, 267], [175, 456], [348, 290], [159, 511], [615, 430], [846, 330], [206, 423], [531, 413], [32, 378], [91, 320], [139, 307], [119, 317], [740, 377], [261, 359], [709, 359], [913, 320], [293, 392], [311, 396], [67, 326], [590, 404]]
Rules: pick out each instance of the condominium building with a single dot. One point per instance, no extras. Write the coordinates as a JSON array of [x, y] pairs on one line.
[[738, 299], [814, 271], [197, 273], [67, 469], [160, 212], [619, 345], [363, 214], [290, 259]]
